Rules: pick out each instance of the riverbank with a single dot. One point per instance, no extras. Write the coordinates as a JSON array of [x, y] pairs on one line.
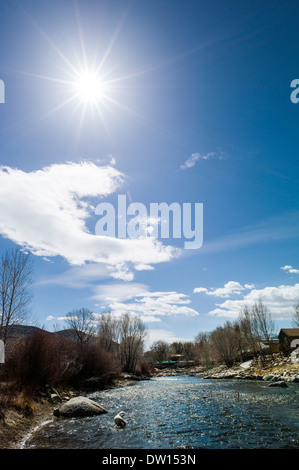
[[182, 412], [17, 425], [276, 368], [23, 416]]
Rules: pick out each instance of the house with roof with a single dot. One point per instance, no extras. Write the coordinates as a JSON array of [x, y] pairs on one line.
[[287, 339]]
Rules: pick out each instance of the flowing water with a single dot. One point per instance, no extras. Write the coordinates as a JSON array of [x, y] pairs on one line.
[[183, 412]]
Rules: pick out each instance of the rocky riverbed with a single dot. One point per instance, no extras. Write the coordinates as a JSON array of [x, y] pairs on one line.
[[275, 368]]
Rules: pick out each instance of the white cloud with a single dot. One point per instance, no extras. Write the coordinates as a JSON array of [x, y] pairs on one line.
[[279, 300], [150, 305], [150, 319], [118, 292], [45, 212], [160, 334], [50, 317], [78, 277], [74, 318], [191, 161], [230, 288], [143, 267], [290, 269]]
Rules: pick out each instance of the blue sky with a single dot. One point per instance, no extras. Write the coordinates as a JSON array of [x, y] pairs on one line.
[[193, 107]]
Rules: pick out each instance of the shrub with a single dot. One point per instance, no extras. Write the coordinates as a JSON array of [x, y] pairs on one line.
[[96, 367], [47, 359], [143, 368], [38, 360]]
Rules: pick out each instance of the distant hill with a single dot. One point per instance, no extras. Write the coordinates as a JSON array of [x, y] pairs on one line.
[[69, 333], [21, 331]]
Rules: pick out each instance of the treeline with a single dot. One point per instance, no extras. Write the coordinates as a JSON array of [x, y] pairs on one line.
[[250, 334], [100, 349]]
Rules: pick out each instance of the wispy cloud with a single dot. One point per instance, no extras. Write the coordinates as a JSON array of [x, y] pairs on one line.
[[160, 334], [282, 227], [118, 292], [195, 157]]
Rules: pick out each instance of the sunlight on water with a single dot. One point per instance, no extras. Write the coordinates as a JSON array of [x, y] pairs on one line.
[[174, 412]]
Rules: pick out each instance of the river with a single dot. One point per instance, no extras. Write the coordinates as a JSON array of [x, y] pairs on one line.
[[183, 412]]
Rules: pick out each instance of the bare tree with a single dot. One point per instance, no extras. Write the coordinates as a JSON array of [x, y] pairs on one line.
[[81, 320], [132, 335], [225, 342], [296, 315], [108, 332], [15, 289], [263, 324], [160, 351], [248, 331], [177, 347], [203, 347]]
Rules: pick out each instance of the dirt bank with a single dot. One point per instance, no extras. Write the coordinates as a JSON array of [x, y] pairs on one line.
[[16, 425]]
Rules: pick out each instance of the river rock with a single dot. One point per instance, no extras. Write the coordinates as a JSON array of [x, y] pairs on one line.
[[281, 383], [55, 398], [268, 377], [292, 379], [78, 407], [258, 377], [276, 378], [128, 376]]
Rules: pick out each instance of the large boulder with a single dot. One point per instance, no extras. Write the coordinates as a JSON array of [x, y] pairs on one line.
[[78, 407]]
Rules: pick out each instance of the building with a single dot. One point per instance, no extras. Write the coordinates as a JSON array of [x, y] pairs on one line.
[[287, 339], [177, 357]]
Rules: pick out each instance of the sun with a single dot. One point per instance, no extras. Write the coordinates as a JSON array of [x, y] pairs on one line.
[[89, 87], [94, 87]]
